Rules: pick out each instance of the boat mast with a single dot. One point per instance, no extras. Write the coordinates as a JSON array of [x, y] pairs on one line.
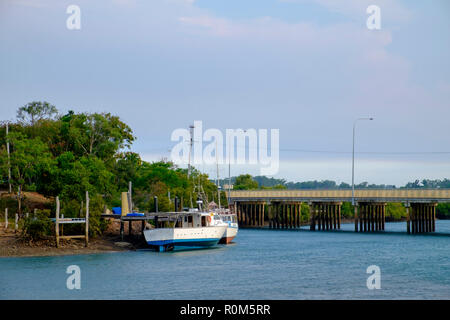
[[191, 141], [191, 134], [218, 180], [229, 178]]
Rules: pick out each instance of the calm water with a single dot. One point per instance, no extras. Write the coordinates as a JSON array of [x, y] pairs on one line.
[[262, 264]]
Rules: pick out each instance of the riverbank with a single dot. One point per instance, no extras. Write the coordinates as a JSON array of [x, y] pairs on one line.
[[13, 245]]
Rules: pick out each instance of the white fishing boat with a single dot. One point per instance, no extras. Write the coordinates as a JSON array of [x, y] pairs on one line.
[[189, 229], [232, 225]]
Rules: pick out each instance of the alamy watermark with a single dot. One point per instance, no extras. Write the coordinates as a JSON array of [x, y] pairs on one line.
[[210, 147], [74, 280], [73, 22], [374, 20], [374, 280]]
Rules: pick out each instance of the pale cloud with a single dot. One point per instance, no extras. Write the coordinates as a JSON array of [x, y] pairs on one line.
[[391, 10]]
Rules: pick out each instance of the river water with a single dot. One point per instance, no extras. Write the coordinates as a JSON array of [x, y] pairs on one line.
[[261, 264]]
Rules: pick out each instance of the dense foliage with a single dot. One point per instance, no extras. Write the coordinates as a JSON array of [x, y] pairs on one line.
[[67, 155]]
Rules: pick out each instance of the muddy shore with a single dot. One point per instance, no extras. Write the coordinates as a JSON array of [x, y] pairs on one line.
[[13, 245]]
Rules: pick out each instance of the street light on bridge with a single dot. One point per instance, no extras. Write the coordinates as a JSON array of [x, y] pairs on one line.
[[353, 157]]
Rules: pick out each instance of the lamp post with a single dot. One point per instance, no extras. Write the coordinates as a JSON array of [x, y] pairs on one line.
[[353, 158]]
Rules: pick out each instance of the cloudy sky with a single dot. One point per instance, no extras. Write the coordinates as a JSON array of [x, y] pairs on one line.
[[305, 67]]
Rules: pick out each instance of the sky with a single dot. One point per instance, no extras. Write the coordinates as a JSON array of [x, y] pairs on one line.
[[308, 68]]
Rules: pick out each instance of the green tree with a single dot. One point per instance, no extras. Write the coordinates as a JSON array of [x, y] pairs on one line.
[[443, 211], [29, 159], [245, 182], [35, 111], [395, 211], [98, 134]]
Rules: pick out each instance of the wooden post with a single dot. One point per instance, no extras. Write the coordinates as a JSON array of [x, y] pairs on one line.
[[130, 198], [332, 217], [262, 214], [378, 217], [248, 214], [16, 222], [364, 215], [289, 213], [293, 213], [312, 224], [285, 216], [87, 219], [57, 222], [6, 218], [339, 216], [408, 220], [420, 218], [319, 217], [430, 213], [277, 215], [239, 212], [433, 217], [270, 215], [372, 221], [356, 217]]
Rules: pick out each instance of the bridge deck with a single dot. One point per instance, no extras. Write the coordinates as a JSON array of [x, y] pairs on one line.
[[361, 195]]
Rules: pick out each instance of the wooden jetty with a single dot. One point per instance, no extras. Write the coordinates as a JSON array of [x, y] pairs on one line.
[[61, 221]]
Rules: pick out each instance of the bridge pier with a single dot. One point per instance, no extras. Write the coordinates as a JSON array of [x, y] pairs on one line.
[[370, 216], [326, 215], [284, 215], [250, 214], [420, 218]]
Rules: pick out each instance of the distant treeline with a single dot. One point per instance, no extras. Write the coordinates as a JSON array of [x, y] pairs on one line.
[[264, 182]]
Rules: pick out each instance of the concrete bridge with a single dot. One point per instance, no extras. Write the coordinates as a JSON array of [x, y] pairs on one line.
[[284, 208]]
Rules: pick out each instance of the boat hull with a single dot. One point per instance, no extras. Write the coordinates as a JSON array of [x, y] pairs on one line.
[[229, 235], [168, 238]]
